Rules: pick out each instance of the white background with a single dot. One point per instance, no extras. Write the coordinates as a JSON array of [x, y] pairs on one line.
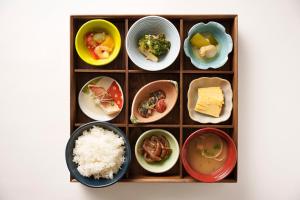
[[34, 100]]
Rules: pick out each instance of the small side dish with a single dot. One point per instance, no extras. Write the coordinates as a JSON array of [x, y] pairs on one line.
[[157, 150], [99, 153], [154, 101], [208, 45], [209, 155], [152, 43], [209, 100], [99, 44], [154, 46], [101, 98]]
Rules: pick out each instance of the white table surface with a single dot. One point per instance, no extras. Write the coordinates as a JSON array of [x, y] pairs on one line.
[[34, 104]]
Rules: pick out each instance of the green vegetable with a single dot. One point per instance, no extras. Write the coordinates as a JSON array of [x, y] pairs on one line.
[[86, 89], [133, 119], [147, 105], [203, 39], [198, 40], [208, 152], [217, 146], [211, 39], [155, 44]]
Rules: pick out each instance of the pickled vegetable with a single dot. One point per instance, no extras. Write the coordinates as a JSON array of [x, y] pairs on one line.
[[198, 40], [212, 39]]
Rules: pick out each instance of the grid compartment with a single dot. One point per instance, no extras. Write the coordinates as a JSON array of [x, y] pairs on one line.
[[136, 81], [135, 170], [187, 78], [187, 132], [227, 23], [175, 65], [117, 64], [83, 79]]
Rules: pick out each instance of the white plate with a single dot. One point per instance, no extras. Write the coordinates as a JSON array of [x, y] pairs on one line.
[[87, 104]]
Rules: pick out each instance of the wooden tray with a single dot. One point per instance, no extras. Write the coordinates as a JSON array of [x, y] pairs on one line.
[[133, 78]]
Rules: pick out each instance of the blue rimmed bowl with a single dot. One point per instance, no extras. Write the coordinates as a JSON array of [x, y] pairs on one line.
[[152, 25], [224, 41], [90, 181]]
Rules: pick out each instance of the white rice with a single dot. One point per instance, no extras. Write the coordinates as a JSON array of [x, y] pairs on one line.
[[99, 153]]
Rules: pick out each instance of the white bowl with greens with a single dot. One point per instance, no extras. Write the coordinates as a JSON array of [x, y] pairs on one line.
[[153, 43]]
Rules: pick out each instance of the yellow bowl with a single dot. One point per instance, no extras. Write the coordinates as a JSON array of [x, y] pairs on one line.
[[97, 25]]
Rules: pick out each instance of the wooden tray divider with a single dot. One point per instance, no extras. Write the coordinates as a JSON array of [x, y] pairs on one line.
[[155, 125], [100, 70], [235, 87], [123, 125], [158, 72], [72, 77], [206, 72], [72, 81], [181, 94], [206, 126], [126, 88]]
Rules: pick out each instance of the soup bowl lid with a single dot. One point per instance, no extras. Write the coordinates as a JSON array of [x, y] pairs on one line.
[[221, 172]]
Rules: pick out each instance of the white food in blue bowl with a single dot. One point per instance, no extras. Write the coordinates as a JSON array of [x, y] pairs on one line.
[[98, 154]]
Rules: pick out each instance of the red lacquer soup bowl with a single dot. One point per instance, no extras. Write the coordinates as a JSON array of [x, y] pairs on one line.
[[220, 173]]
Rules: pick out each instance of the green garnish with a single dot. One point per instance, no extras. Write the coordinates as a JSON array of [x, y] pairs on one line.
[[112, 103], [86, 89], [217, 146], [133, 119], [147, 105], [155, 44], [208, 153]]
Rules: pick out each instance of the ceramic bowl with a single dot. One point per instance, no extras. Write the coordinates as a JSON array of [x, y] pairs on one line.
[[220, 173], [152, 25], [91, 182], [170, 88], [162, 166], [224, 42], [97, 25], [193, 96], [87, 103]]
